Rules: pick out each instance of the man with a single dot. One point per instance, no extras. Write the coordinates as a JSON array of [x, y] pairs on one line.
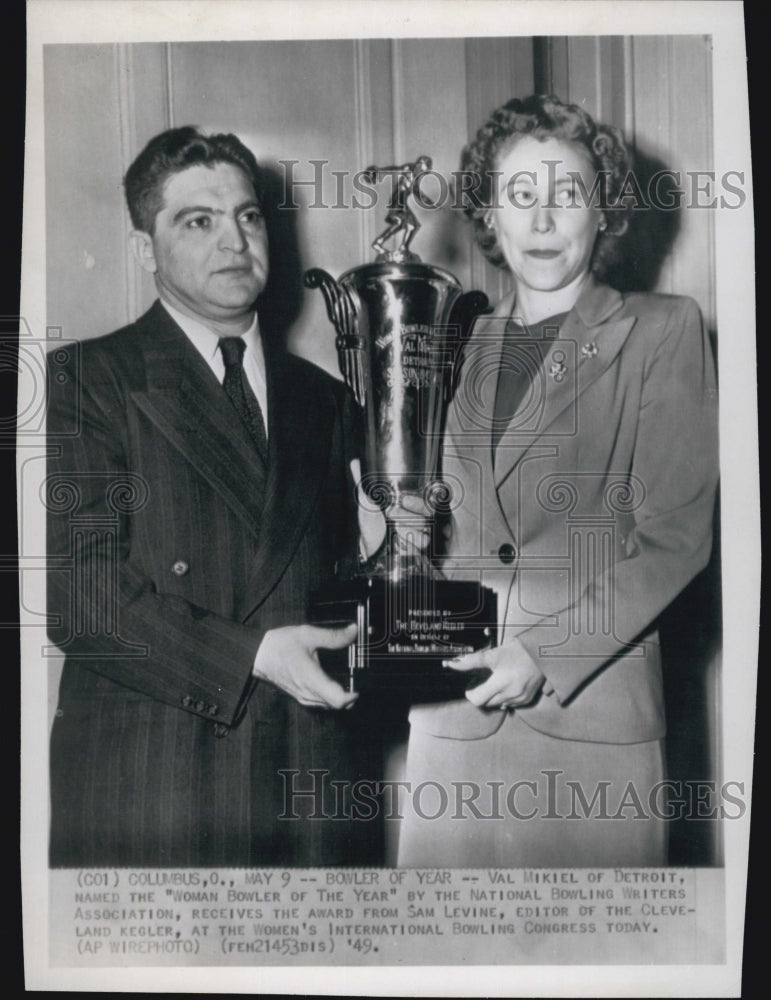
[[206, 493]]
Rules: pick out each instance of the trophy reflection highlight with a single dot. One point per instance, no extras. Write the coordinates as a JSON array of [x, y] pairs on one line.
[[400, 325]]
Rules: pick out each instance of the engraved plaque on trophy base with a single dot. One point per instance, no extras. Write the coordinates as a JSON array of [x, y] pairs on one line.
[[406, 630]]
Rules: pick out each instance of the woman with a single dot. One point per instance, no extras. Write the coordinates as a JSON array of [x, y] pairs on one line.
[[582, 444]]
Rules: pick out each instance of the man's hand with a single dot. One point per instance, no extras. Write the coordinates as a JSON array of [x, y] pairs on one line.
[[372, 523], [410, 517], [287, 657], [412, 520], [515, 679]]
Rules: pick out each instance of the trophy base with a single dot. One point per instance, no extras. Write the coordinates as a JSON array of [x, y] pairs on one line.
[[406, 631]]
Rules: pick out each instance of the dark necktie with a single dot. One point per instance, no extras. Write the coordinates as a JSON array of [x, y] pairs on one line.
[[240, 392]]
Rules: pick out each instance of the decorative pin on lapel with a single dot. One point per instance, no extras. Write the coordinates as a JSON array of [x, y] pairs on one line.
[[558, 369], [589, 350]]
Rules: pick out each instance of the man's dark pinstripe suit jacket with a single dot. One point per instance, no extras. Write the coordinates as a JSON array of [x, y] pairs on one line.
[[172, 550]]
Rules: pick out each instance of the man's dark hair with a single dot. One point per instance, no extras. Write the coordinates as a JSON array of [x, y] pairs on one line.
[[173, 151]]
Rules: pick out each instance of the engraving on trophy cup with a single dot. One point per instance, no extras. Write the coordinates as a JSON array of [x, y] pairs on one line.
[[400, 326]]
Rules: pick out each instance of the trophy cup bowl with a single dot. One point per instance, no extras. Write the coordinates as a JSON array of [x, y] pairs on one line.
[[400, 326]]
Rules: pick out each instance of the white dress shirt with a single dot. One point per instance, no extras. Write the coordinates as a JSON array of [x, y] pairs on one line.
[[206, 342]]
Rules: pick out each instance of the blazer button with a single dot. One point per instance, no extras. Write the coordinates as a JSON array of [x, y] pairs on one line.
[[213, 709], [180, 567], [187, 701], [220, 730], [200, 706], [507, 553]]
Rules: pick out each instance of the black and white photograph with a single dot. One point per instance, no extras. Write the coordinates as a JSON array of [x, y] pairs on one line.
[[387, 476]]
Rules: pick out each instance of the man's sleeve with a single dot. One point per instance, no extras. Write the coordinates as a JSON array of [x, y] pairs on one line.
[[350, 561], [104, 613]]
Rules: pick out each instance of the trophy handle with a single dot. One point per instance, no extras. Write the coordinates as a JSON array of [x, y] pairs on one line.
[[464, 312], [343, 315]]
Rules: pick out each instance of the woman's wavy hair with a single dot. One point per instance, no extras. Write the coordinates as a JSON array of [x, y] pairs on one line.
[[545, 117]]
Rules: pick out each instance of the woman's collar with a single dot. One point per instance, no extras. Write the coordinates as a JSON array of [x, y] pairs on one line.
[[596, 303]]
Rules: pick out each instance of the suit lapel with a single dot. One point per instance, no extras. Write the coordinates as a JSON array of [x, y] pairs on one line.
[[300, 420], [186, 403], [591, 337]]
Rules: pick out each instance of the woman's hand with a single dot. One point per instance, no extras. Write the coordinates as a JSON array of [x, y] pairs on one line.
[[515, 679]]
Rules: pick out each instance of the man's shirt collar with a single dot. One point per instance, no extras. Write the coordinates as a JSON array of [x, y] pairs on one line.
[[206, 342]]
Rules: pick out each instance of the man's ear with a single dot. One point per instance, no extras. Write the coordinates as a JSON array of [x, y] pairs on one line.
[[142, 248]]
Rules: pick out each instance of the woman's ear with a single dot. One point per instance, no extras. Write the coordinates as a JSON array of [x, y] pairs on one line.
[[142, 248], [620, 226]]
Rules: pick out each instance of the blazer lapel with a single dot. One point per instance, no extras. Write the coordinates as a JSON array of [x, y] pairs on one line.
[[589, 341], [300, 425], [186, 403], [470, 418]]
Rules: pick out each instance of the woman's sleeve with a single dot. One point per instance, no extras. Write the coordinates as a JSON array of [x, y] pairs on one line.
[[676, 463]]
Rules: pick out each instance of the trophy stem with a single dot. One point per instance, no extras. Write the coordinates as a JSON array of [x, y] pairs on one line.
[[404, 557]]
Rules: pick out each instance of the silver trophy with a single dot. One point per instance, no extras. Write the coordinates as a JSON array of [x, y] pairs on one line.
[[400, 328]]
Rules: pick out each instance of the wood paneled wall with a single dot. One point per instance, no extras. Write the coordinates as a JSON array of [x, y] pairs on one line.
[[348, 103], [658, 89]]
